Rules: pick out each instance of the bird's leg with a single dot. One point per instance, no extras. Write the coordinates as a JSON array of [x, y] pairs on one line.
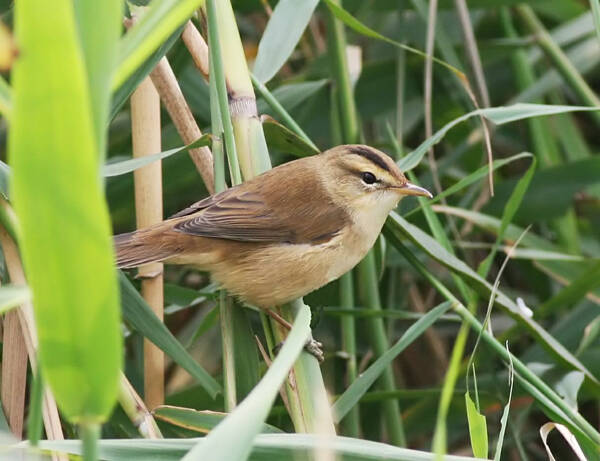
[[312, 346]]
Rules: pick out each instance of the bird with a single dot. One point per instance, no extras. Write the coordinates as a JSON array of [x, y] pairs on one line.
[[283, 233]]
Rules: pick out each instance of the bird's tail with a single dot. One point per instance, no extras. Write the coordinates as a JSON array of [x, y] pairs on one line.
[[140, 247]]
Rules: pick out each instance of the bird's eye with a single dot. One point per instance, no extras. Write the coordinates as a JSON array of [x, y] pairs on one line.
[[368, 177]]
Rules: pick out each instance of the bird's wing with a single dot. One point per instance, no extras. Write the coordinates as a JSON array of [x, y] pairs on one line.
[[247, 216], [243, 216]]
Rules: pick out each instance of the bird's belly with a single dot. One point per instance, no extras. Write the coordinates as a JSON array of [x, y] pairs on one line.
[[277, 274]]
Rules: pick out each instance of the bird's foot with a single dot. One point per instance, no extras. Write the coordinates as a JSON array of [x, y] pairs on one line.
[[313, 347]]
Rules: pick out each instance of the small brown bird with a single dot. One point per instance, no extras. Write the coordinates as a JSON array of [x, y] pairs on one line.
[[284, 233]]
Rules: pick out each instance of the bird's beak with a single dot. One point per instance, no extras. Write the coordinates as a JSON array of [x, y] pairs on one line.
[[411, 189]]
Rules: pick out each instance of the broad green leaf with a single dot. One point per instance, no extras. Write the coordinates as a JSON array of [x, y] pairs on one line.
[[266, 446], [245, 422], [283, 31], [65, 233], [497, 115], [477, 429], [99, 26], [199, 421], [397, 227], [129, 165], [285, 140], [13, 296], [142, 318], [157, 24], [361, 385]]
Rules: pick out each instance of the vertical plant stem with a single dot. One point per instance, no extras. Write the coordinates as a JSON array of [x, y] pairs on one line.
[[306, 395], [89, 434], [145, 121], [369, 294], [367, 272], [351, 422], [338, 58]]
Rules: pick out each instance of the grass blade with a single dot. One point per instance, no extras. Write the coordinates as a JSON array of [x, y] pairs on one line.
[[283, 31], [245, 422], [157, 24], [361, 385], [141, 317]]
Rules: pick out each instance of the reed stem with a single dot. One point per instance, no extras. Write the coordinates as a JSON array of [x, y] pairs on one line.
[[145, 127]]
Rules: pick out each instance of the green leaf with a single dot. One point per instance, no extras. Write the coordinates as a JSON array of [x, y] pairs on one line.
[[156, 25], [199, 421], [505, 412], [13, 296], [477, 429], [122, 92], [361, 28], [596, 15], [65, 234], [283, 31], [510, 209], [551, 191], [478, 174], [265, 446], [497, 115], [144, 320], [129, 165], [245, 422], [573, 292], [5, 99], [285, 140], [99, 30], [361, 385], [396, 227]]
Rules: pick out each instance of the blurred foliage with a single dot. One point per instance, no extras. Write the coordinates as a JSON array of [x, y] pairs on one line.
[[561, 204]]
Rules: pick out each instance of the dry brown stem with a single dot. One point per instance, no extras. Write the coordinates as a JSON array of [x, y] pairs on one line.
[[166, 84], [145, 133]]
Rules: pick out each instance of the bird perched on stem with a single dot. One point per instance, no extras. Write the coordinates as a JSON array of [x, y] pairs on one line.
[[284, 233]]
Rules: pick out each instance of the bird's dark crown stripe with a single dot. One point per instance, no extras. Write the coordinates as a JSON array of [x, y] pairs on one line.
[[370, 155]]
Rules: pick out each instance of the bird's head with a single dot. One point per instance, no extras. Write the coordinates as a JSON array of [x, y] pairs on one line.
[[366, 179]]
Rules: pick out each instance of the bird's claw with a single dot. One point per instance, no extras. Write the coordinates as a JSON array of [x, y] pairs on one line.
[[313, 347]]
